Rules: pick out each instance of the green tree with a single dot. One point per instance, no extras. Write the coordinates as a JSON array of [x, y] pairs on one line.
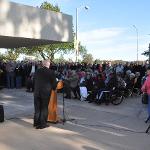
[[87, 58], [98, 61], [10, 54], [48, 51], [82, 50], [61, 59], [146, 53], [2, 57], [48, 6]]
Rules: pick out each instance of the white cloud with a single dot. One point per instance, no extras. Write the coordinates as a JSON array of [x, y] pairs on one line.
[[119, 51], [100, 34], [112, 43]]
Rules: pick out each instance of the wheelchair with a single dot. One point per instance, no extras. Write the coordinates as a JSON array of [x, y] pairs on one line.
[[115, 96]]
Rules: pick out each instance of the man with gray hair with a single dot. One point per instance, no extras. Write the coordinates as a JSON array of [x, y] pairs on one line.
[[44, 82]]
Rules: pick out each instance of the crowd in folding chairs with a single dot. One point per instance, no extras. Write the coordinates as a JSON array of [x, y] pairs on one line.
[[93, 83]]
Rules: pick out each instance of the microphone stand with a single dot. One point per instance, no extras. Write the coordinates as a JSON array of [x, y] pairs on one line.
[[147, 129], [149, 125], [64, 117]]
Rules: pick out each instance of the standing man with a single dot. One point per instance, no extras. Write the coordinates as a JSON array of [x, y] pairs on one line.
[[44, 82]]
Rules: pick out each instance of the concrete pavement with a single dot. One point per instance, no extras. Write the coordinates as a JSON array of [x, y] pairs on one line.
[[95, 127]]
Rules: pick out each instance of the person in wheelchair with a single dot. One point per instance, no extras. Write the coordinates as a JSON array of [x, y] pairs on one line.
[[115, 84], [105, 93], [112, 82], [97, 88]]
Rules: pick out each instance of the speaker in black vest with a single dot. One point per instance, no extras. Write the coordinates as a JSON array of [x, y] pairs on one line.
[[1, 113]]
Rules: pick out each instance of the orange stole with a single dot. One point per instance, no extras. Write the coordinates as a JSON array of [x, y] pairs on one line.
[[52, 108]]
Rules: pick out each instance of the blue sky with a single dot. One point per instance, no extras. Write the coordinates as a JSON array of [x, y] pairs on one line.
[[106, 29]]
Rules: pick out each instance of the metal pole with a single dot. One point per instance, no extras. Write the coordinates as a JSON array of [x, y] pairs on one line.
[[137, 36], [76, 34], [77, 43], [137, 46]]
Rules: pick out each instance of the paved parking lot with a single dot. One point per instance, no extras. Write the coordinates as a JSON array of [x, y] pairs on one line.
[[96, 127]]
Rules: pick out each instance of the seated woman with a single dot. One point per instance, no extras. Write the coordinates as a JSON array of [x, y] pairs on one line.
[[82, 87], [71, 85]]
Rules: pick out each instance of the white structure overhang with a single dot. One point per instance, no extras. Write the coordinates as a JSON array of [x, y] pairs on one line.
[[22, 26]]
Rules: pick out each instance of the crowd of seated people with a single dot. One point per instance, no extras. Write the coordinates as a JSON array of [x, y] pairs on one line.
[[85, 81], [81, 81]]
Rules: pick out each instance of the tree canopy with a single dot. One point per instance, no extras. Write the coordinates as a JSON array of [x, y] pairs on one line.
[[49, 6], [11, 54], [88, 58]]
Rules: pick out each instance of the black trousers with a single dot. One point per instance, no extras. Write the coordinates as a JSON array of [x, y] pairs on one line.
[[29, 84], [67, 89], [76, 91], [1, 113], [41, 101]]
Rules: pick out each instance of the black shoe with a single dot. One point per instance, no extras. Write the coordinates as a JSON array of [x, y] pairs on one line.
[[75, 97], [68, 97], [42, 127], [35, 125]]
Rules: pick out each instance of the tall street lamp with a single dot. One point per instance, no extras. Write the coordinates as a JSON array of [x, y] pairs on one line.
[[137, 42], [76, 39], [149, 53]]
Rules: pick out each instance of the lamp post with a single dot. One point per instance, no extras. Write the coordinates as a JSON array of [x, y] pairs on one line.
[[76, 36], [137, 42], [149, 53]]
